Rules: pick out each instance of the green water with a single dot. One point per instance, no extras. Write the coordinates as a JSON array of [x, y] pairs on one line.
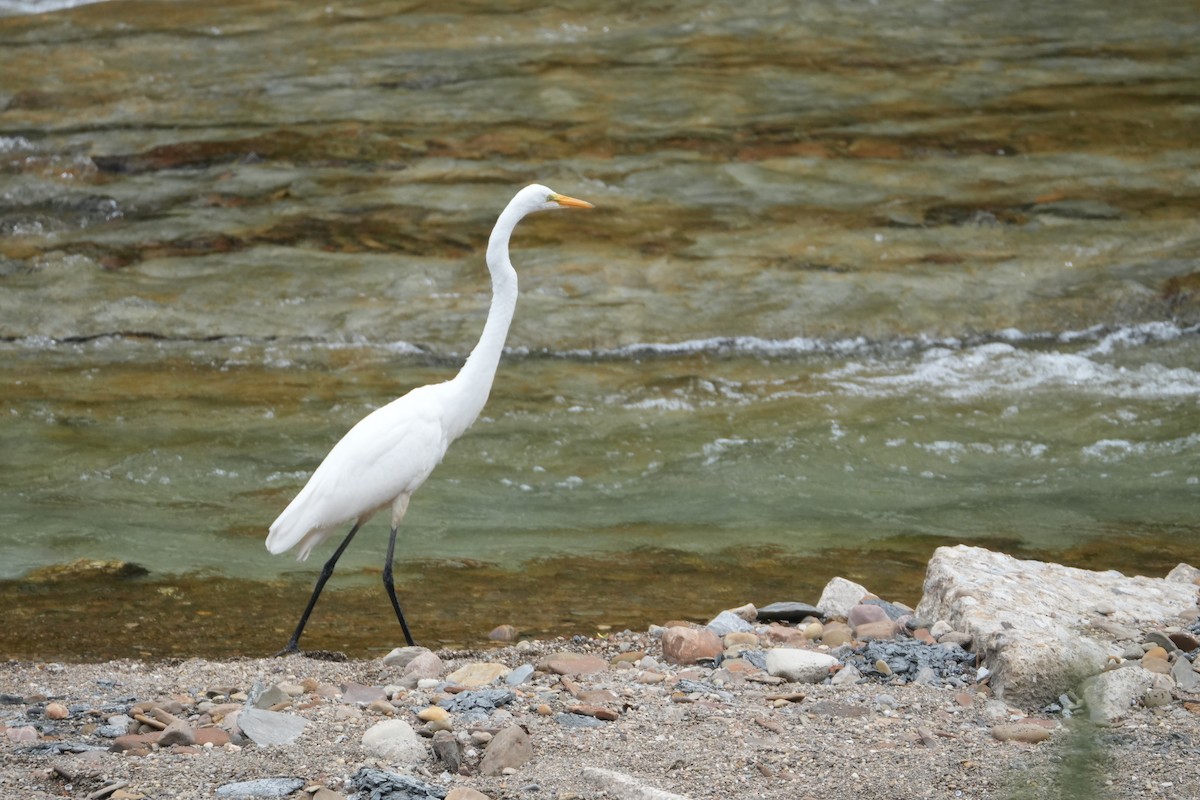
[[858, 283]]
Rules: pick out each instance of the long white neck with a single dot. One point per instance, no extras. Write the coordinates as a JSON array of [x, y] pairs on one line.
[[474, 381]]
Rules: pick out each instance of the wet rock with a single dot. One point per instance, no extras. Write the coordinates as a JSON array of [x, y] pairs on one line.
[[839, 596], [1185, 640], [85, 569], [510, 748], [690, 645], [394, 740], [503, 633], [800, 666], [1033, 622], [270, 727], [260, 787], [479, 673], [789, 612], [567, 663], [378, 784], [1110, 695]]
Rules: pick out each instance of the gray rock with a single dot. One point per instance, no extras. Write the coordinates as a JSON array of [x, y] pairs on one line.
[[177, 733], [1032, 621], [267, 728], [839, 596], [1185, 676], [893, 611], [269, 697], [1161, 639], [478, 700], [423, 665], [401, 656], [789, 612], [801, 666], [519, 675], [394, 740], [577, 721], [1110, 695], [378, 784], [261, 787], [448, 750], [846, 676], [728, 622], [510, 748]]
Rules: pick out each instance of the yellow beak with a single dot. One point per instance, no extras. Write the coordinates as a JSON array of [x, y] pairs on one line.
[[570, 202]]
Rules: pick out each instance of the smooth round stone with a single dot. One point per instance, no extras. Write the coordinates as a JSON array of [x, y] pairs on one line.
[[801, 666], [57, 711], [433, 713], [1027, 732], [747, 638]]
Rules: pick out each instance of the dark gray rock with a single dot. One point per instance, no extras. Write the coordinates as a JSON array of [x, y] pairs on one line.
[[377, 784], [789, 612], [479, 700], [577, 721]]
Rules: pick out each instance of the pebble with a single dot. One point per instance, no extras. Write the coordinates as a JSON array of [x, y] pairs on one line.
[[383, 707], [1027, 732], [845, 676], [57, 711], [177, 733], [836, 634], [1185, 640], [1184, 674], [433, 713], [885, 629]]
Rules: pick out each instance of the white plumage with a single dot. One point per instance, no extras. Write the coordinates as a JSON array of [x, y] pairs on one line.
[[384, 458]]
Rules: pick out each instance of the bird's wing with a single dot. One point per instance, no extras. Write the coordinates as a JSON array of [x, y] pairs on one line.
[[389, 452]]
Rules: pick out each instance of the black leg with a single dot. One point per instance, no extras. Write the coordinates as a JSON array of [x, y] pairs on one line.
[[391, 588], [293, 645]]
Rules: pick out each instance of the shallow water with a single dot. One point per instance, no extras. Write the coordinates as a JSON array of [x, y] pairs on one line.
[[859, 283]]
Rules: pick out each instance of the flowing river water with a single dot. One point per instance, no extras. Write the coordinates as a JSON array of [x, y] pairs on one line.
[[862, 280]]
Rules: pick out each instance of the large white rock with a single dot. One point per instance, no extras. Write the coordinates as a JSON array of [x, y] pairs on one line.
[[1043, 628], [801, 666], [839, 596], [395, 741]]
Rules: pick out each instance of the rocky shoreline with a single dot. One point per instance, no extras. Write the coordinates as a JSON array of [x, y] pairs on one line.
[[1010, 679]]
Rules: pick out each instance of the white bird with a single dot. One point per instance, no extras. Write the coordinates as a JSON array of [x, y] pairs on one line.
[[383, 459]]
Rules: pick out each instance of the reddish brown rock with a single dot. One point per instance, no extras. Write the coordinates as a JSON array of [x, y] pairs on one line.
[[689, 645], [885, 629], [572, 664]]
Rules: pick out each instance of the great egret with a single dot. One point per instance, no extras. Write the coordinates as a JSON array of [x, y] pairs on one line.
[[390, 452]]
